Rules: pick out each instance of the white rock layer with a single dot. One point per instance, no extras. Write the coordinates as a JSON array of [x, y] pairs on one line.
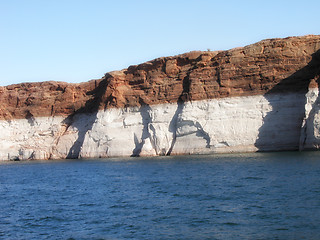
[[237, 124], [310, 131]]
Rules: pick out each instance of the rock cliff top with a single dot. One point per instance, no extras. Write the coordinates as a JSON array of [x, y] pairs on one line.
[[272, 65]]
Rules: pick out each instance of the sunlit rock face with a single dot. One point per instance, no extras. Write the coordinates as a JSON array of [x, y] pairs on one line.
[[262, 97], [310, 130]]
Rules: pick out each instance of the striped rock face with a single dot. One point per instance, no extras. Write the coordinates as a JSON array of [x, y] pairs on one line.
[[262, 97]]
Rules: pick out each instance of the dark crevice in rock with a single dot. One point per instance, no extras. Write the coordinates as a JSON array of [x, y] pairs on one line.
[[52, 110], [18, 101], [30, 118]]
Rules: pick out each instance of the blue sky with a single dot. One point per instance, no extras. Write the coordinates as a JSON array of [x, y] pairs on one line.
[[75, 40]]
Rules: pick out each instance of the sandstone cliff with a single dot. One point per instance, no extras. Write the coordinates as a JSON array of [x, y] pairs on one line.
[[260, 97]]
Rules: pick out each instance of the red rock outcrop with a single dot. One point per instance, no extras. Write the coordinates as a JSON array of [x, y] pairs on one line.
[[272, 65]]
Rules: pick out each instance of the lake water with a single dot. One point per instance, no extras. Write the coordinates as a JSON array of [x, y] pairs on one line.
[[243, 196]]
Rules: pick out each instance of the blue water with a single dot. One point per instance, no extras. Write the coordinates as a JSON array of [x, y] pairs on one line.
[[244, 196]]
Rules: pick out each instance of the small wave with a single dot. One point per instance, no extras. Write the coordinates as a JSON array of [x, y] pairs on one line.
[[253, 178], [282, 229], [231, 223]]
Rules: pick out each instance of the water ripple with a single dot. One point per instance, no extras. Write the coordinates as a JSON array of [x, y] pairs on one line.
[[254, 196]]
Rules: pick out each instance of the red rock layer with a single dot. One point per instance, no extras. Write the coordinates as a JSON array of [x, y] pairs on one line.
[[273, 65]]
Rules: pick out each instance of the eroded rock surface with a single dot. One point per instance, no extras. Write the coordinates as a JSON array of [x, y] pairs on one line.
[[251, 70], [260, 97]]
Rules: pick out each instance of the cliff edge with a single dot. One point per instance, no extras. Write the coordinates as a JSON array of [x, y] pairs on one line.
[[261, 97]]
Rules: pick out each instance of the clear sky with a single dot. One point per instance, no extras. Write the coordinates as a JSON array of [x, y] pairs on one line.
[[79, 40]]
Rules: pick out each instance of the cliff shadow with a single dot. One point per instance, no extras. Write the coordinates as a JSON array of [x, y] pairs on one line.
[[144, 111], [184, 97], [84, 118], [281, 126], [174, 124]]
